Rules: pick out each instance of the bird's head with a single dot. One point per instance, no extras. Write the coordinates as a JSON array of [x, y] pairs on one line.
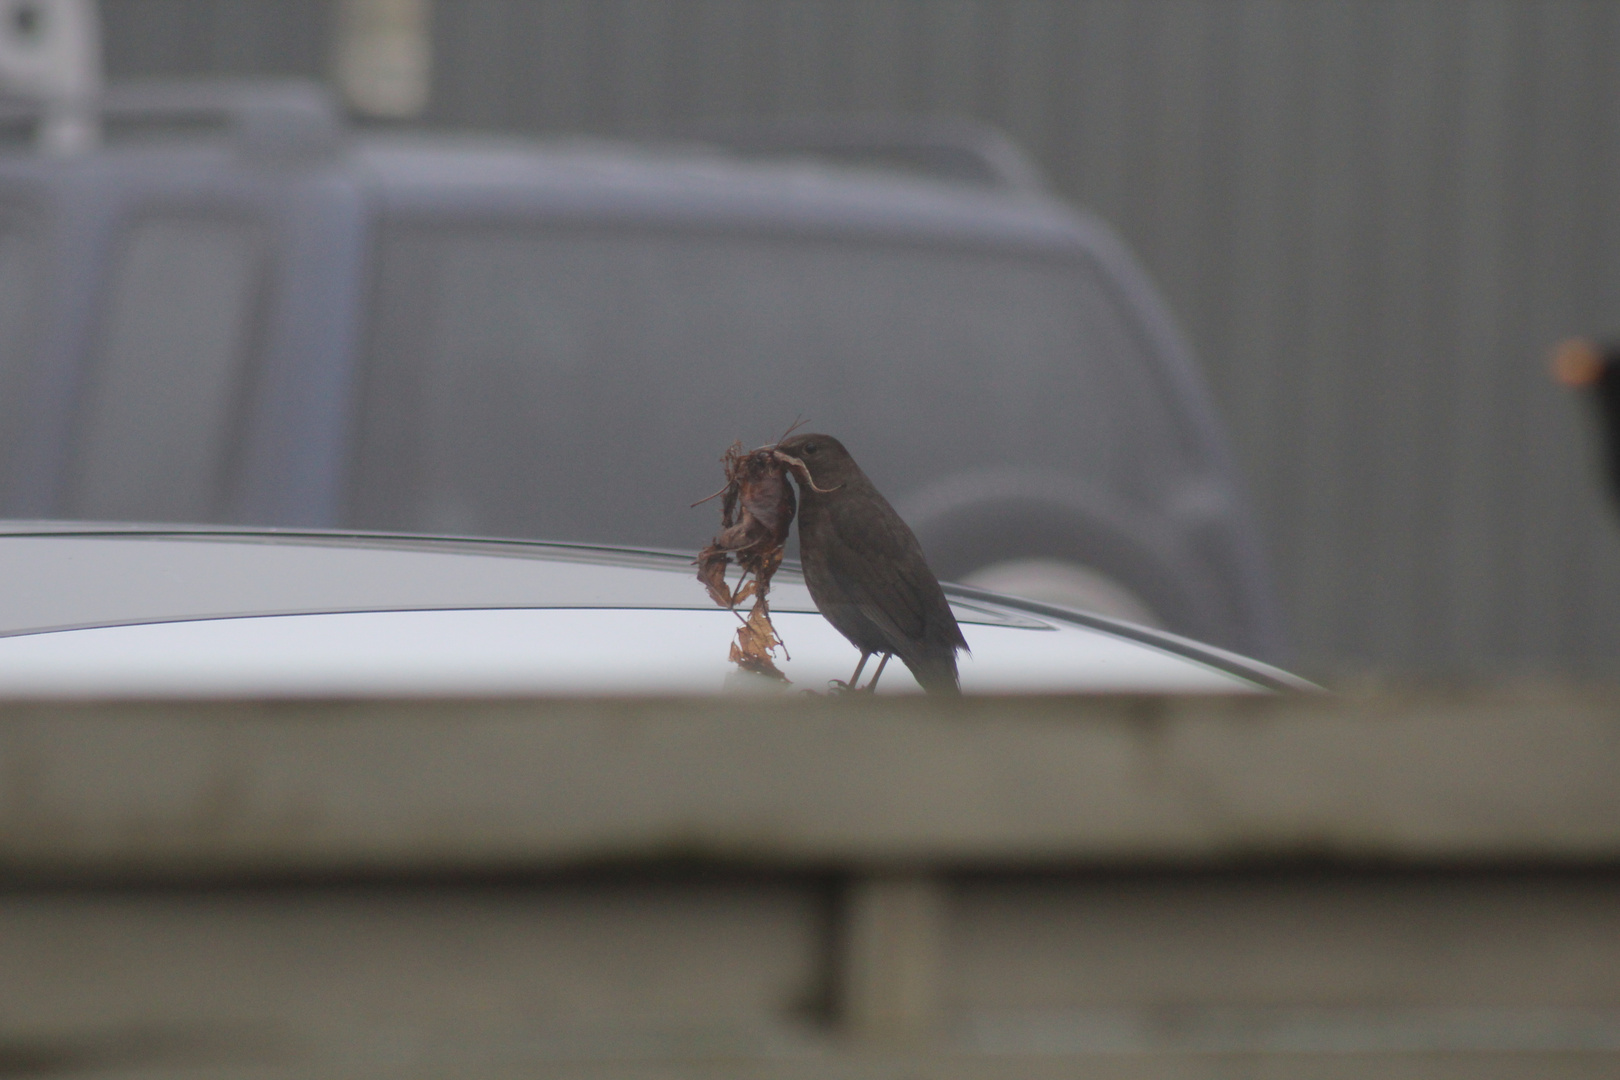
[[819, 461]]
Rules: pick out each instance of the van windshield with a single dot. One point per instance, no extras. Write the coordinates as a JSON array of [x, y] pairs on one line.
[[581, 384]]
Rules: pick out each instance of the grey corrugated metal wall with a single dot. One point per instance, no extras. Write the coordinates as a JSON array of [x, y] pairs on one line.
[[1372, 218]]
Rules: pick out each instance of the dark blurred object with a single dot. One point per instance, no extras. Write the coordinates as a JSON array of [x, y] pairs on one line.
[[866, 571], [235, 309], [1594, 368]]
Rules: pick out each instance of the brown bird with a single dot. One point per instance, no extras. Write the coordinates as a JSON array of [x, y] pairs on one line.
[[865, 569]]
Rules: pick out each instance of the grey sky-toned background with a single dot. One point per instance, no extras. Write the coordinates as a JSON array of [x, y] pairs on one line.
[[1372, 218]]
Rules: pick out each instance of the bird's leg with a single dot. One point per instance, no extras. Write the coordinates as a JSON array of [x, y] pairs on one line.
[[845, 687], [871, 687]]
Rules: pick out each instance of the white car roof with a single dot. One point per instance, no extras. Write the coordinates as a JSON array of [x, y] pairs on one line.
[[93, 611]]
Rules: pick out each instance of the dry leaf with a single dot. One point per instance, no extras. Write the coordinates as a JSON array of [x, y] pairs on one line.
[[756, 512]]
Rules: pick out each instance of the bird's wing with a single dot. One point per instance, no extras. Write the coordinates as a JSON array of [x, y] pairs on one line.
[[880, 569]]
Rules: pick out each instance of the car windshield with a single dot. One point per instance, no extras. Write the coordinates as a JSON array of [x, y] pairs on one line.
[[580, 384]]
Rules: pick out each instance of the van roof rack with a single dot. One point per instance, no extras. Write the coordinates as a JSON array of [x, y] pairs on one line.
[[944, 147], [267, 118], [273, 118]]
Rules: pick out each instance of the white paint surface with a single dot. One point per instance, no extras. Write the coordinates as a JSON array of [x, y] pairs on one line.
[[542, 651]]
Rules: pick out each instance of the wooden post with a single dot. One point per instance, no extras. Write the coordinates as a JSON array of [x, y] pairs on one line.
[[894, 932]]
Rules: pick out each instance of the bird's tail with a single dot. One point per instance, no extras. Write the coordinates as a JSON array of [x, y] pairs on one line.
[[936, 674]]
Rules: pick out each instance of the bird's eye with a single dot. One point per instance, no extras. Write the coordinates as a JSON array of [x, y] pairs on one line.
[[809, 448]]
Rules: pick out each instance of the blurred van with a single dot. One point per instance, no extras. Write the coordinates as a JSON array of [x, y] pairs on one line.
[[236, 309]]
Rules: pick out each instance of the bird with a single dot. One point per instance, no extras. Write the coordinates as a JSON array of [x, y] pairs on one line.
[[1587, 365], [866, 571]]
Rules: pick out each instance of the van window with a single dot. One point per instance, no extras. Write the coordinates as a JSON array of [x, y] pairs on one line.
[[155, 433]]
